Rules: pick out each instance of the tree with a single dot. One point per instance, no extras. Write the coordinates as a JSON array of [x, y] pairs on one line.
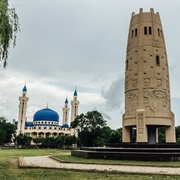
[[104, 136], [89, 127], [7, 130], [38, 141], [56, 142], [161, 135], [49, 142], [9, 26], [23, 140], [69, 140], [178, 134], [116, 136]]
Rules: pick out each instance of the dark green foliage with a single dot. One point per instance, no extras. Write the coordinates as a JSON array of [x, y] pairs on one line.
[[23, 140], [116, 136], [69, 140], [91, 128], [57, 142], [133, 135], [161, 135], [38, 141], [48, 142], [178, 134], [104, 136], [7, 130], [9, 26]]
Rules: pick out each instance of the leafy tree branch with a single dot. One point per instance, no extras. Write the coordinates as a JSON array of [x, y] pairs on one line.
[[9, 26]]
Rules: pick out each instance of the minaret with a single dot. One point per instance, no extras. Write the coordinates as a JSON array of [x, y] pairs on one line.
[[74, 106], [22, 111], [147, 93], [65, 109]]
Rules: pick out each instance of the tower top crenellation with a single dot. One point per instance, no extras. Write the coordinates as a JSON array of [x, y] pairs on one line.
[[141, 11]]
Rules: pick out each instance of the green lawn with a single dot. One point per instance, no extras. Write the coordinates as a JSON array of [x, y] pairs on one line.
[[9, 169]]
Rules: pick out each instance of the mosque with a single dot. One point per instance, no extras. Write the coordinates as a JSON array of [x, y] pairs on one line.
[[46, 122]]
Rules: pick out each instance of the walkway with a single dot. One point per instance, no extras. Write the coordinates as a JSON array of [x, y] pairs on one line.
[[47, 162]]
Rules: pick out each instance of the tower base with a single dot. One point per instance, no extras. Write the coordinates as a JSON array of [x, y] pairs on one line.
[[139, 152]]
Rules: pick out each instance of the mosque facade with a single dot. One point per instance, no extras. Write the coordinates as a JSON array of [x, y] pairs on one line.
[[46, 122]]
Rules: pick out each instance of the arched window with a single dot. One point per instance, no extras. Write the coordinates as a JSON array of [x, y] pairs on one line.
[[157, 61]]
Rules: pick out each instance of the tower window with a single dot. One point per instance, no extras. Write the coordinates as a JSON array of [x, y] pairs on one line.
[[132, 33], [157, 61], [158, 32], [145, 30], [150, 30], [136, 32]]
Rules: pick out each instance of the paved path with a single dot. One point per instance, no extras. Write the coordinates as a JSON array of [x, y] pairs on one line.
[[47, 162]]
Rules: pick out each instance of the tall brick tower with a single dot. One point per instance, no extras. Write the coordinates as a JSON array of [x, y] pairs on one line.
[[147, 93]]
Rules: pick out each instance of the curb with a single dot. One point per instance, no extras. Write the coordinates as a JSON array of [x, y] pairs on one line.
[[99, 163]]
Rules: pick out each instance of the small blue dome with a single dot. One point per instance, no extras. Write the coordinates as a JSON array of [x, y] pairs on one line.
[[75, 93], [24, 89], [47, 115], [66, 101], [29, 124], [65, 126]]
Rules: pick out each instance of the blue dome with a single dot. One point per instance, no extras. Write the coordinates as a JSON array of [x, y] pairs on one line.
[[24, 89], [29, 124], [47, 115], [65, 126], [66, 101], [75, 93]]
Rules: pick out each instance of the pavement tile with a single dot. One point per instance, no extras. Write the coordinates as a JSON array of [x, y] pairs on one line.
[[47, 162]]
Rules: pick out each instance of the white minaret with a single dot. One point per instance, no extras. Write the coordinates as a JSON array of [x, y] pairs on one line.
[[74, 106], [22, 111], [65, 109]]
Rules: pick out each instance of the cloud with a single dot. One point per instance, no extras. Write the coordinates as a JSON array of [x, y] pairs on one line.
[[30, 112], [106, 116], [4, 111], [114, 94]]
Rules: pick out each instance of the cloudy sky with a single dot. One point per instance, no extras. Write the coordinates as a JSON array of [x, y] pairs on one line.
[[82, 43]]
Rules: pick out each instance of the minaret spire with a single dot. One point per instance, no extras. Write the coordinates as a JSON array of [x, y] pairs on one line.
[[74, 106], [22, 111], [65, 109]]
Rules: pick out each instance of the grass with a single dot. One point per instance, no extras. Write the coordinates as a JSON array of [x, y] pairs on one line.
[[9, 170]]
